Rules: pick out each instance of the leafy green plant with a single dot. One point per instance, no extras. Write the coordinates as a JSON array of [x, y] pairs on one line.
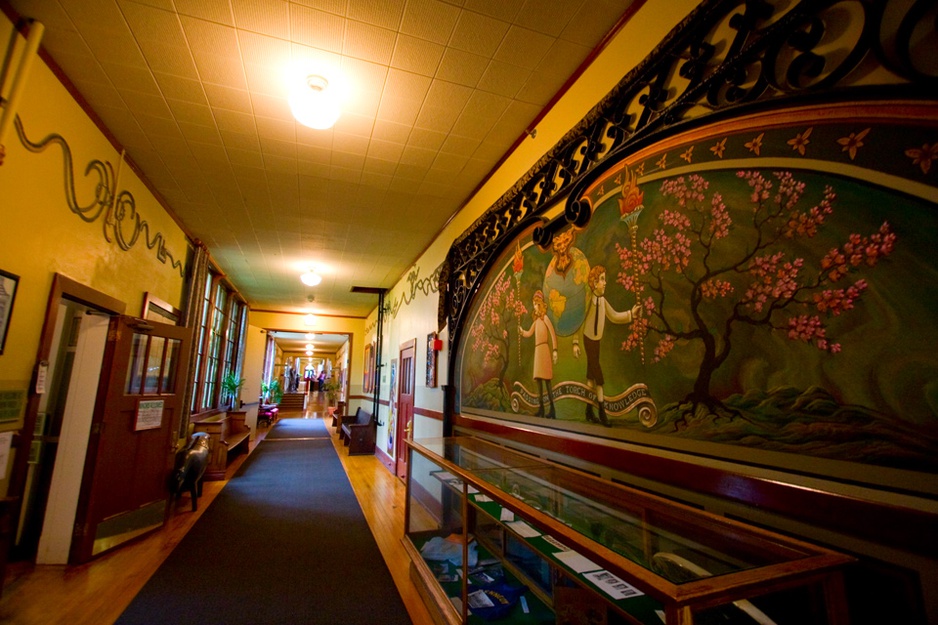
[[231, 384], [272, 391], [331, 387]]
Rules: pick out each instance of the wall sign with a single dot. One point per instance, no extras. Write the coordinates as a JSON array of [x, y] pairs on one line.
[[149, 414], [12, 405]]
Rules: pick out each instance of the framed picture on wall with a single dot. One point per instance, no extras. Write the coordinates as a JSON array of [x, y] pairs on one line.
[[393, 394], [431, 360], [8, 285], [368, 383]]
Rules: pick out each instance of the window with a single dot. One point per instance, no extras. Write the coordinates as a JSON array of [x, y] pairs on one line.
[[221, 333], [236, 321], [216, 340]]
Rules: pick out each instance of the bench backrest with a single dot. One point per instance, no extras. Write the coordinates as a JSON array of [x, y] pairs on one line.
[[362, 417]]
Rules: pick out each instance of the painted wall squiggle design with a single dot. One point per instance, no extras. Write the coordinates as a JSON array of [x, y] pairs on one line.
[[122, 223]]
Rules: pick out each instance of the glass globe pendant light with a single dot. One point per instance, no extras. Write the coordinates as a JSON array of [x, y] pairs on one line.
[[314, 103], [310, 278]]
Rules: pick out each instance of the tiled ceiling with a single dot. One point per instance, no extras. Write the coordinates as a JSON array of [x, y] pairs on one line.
[[441, 91]]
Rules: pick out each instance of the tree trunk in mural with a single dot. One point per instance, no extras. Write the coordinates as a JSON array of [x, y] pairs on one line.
[[497, 319]]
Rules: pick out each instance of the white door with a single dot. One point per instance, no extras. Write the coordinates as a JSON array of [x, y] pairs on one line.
[[59, 521]]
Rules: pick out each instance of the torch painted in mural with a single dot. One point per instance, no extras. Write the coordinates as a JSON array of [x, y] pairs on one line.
[[631, 203], [518, 266]]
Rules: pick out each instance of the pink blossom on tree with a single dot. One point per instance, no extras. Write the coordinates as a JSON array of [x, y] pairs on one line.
[[699, 274], [489, 335]]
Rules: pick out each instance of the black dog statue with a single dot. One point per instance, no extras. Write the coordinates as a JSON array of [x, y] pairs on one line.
[[190, 467]]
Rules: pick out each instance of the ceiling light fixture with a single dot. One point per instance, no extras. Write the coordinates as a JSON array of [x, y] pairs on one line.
[[314, 103], [310, 319], [311, 278]]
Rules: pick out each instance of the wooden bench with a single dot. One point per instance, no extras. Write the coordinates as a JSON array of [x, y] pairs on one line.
[[336, 413], [360, 417], [229, 437], [239, 435], [357, 432], [337, 419]]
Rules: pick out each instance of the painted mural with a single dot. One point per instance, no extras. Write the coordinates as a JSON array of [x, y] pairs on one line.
[[771, 288]]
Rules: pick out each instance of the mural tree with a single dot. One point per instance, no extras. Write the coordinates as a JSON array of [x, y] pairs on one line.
[[705, 272], [489, 335]]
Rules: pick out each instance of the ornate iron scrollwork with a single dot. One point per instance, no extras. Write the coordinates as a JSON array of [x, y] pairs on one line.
[[726, 55]]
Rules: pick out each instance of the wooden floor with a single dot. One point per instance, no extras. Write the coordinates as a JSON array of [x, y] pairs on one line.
[[98, 592]]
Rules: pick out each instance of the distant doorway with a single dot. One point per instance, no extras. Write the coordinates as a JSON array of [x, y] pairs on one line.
[[405, 407]]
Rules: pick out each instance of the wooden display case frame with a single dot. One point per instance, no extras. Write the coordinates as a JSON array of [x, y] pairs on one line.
[[790, 563]]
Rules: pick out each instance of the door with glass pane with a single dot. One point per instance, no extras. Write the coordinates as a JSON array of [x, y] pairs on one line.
[[405, 406], [124, 490]]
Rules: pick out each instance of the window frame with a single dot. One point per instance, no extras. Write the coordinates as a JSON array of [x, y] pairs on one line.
[[220, 342]]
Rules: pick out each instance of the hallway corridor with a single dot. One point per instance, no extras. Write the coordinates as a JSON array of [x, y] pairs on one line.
[[98, 592]]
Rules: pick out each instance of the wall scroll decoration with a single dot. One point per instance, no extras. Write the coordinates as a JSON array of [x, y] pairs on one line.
[[117, 210], [426, 286]]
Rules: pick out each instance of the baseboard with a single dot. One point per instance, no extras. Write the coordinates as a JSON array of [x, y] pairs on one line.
[[385, 459]]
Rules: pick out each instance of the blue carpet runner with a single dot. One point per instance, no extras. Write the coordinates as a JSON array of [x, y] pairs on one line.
[[298, 428], [285, 541]]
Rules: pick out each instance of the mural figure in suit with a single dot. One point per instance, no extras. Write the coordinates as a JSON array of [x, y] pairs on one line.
[[598, 309]]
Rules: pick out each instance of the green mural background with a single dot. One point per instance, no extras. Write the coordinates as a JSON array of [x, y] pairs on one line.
[[838, 362]]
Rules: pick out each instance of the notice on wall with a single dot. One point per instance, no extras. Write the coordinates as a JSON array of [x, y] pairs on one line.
[[42, 376], [12, 404], [149, 414], [6, 438]]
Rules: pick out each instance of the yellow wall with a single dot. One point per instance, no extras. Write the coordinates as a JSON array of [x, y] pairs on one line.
[[40, 235], [414, 312]]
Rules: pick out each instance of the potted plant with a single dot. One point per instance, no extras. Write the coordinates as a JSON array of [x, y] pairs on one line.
[[331, 387], [231, 385], [273, 393]]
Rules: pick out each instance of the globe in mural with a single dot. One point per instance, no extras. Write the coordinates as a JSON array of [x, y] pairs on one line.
[[565, 288]]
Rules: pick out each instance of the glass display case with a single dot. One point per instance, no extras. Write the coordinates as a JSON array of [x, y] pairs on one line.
[[498, 535]]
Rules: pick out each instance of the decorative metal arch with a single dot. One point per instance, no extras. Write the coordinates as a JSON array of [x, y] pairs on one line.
[[727, 57]]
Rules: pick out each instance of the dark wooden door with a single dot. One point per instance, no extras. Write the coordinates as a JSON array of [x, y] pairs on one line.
[[405, 406], [137, 414]]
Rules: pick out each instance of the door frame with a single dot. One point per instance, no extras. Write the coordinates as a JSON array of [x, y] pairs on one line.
[[404, 431], [63, 287], [66, 465]]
